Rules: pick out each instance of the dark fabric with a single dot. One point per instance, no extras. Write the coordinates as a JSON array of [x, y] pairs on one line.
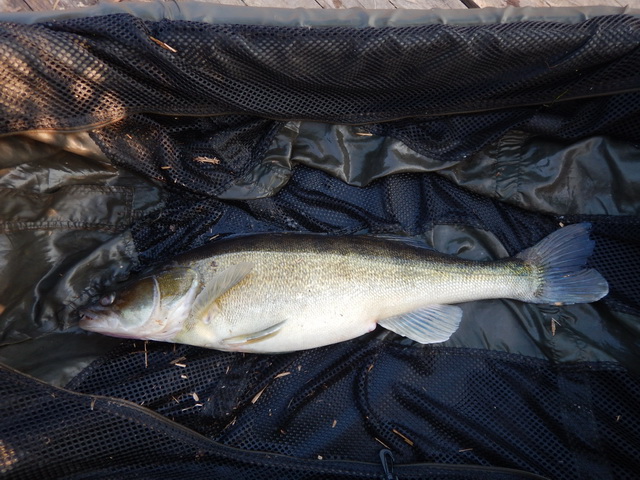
[[433, 405]]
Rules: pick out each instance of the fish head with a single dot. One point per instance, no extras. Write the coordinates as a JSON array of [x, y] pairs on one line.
[[124, 312], [152, 307]]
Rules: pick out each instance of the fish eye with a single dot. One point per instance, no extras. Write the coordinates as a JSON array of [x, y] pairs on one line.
[[108, 299]]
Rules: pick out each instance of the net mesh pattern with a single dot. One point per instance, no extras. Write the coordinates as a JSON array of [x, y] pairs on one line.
[[348, 401], [201, 155], [110, 65], [280, 410], [549, 78]]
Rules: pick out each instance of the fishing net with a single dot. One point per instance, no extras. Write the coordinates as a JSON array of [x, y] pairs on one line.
[[197, 106]]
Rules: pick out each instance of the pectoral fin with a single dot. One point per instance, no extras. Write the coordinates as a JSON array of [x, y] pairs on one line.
[[254, 336], [217, 285], [431, 324]]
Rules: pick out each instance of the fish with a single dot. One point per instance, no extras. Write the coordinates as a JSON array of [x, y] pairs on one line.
[[283, 292]]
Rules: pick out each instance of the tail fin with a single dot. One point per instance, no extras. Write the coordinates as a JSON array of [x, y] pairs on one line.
[[561, 258]]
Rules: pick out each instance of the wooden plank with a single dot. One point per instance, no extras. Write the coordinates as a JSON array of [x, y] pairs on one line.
[[416, 4], [217, 2], [14, 6], [557, 3], [283, 3], [368, 4], [226, 2], [391, 4], [376, 4], [40, 5], [334, 4], [66, 4]]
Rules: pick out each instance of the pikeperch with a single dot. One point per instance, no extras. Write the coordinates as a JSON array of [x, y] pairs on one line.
[[285, 292]]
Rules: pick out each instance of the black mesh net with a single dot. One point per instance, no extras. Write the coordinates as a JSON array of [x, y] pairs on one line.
[[110, 65], [198, 110], [326, 413], [547, 77]]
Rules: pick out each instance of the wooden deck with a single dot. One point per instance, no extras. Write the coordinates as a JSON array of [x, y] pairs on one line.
[[39, 5]]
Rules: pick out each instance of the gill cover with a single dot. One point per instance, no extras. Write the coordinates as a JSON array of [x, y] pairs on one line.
[[153, 307]]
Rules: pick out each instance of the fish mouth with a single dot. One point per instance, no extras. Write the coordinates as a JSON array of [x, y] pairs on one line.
[[96, 318], [100, 319]]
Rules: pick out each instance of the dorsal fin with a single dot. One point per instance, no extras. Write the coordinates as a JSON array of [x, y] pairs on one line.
[[410, 241]]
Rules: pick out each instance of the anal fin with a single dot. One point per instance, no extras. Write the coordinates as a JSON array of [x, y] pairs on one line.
[[254, 336], [430, 324]]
